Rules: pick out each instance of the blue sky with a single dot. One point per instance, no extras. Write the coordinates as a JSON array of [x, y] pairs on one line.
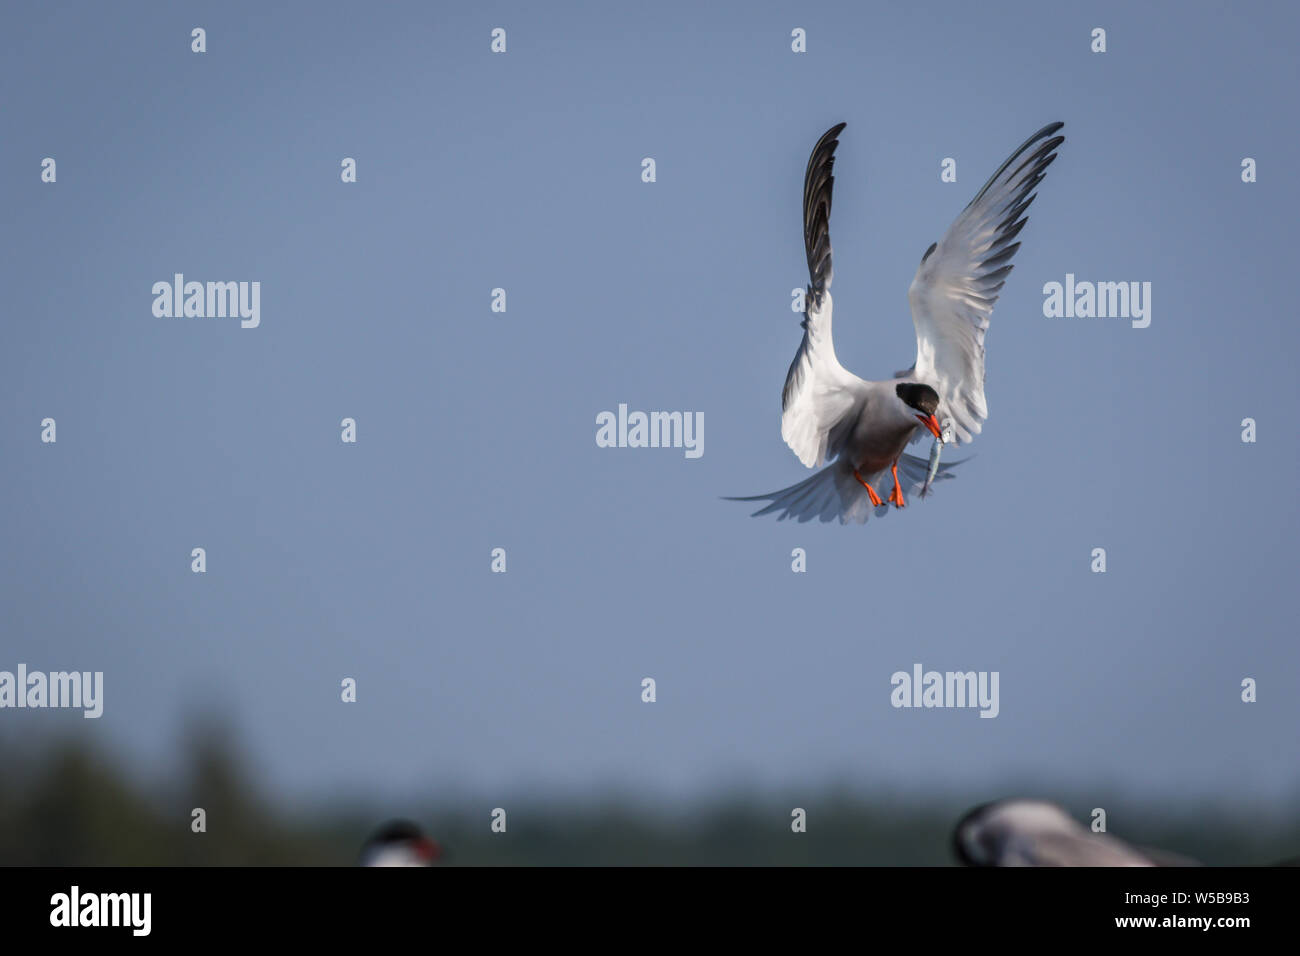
[[477, 429]]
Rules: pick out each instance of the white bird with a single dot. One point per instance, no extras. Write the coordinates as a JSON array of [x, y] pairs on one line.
[[1036, 833], [830, 413]]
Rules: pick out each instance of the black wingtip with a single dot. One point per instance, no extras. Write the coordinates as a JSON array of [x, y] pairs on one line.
[[818, 186], [1040, 157]]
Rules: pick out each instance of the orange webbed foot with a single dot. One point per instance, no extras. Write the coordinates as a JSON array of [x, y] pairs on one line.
[[896, 496], [871, 492]]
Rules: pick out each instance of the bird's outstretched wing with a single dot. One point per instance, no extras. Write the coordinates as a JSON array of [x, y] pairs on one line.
[[820, 395], [960, 277]]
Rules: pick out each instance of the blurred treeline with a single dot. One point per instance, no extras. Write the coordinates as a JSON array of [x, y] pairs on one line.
[[61, 804]]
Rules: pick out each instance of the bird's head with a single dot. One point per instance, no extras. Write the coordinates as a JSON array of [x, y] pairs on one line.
[[400, 843], [996, 833], [969, 837], [923, 402]]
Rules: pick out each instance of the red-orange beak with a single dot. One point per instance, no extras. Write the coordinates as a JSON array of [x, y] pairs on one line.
[[932, 423], [426, 849]]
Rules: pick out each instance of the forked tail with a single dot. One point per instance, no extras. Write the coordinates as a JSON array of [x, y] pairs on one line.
[[834, 492]]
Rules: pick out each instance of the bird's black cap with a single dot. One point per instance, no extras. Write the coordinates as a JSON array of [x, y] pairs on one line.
[[921, 397]]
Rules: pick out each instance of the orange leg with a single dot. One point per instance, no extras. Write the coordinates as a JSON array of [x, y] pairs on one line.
[[875, 498], [896, 496]]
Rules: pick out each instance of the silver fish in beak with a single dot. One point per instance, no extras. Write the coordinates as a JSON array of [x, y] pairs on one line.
[[936, 450]]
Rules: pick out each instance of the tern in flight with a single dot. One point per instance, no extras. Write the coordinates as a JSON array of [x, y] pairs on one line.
[[827, 412]]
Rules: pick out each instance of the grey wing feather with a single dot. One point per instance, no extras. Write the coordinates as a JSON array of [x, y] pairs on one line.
[[832, 493], [818, 185], [820, 397], [959, 280], [818, 188]]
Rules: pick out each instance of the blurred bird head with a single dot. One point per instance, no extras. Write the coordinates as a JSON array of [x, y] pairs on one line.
[[982, 836], [400, 843]]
